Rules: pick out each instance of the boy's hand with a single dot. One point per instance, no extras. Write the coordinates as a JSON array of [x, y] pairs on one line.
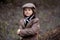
[[18, 31]]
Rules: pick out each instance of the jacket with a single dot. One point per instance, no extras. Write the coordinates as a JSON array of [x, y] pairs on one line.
[[31, 30]]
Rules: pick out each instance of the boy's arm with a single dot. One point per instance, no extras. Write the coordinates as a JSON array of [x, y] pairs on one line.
[[30, 31], [20, 27]]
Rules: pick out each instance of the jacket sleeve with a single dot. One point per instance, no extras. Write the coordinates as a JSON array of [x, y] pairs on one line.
[[20, 27], [30, 31]]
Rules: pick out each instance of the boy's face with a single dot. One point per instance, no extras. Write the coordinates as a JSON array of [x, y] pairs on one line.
[[28, 11]]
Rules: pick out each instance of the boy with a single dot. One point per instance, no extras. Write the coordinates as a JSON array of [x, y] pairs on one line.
[[29, 25]]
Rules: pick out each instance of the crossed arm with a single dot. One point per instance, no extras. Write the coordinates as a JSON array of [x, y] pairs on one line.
[[29, 31]]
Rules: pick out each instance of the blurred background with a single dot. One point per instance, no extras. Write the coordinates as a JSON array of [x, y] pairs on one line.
[[11, 13]]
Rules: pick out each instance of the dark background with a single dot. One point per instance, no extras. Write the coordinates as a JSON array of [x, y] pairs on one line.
[[11, 13]]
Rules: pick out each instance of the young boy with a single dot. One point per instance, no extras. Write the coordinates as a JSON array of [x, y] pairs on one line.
[[29, 25]]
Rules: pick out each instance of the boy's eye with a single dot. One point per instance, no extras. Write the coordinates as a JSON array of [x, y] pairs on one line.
[[25, 9]]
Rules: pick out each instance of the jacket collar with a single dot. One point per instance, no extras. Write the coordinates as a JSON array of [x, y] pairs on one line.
[[29, 24]]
